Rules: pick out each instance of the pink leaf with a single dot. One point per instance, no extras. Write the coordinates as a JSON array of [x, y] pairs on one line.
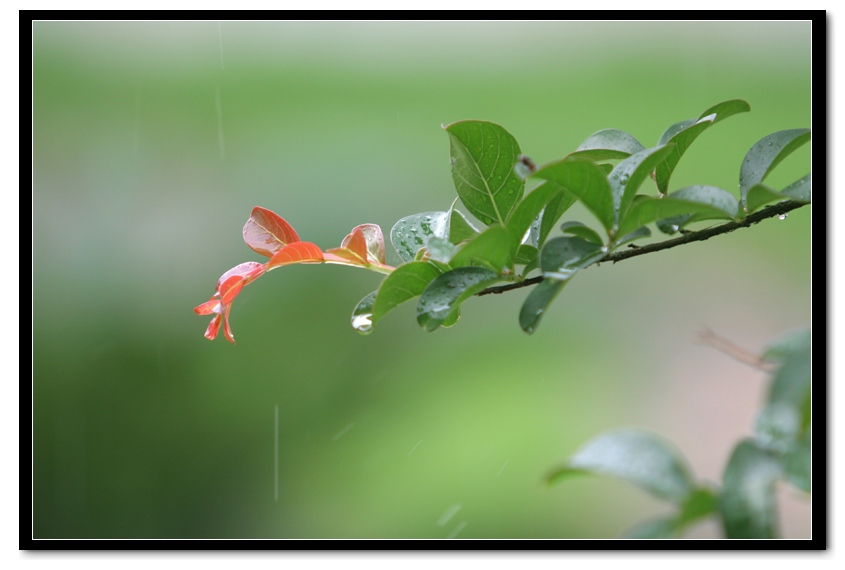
[[266, 232]]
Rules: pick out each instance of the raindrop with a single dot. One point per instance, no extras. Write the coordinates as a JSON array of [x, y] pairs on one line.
[[674, 227], [782, 216], [363, 323], [452, 160], [488, 221], [624, 179], [510, 191]]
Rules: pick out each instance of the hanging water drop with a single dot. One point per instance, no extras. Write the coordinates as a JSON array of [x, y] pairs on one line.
[[782, 216]]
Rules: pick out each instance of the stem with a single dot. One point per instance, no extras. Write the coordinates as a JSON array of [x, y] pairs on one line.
[[701, 235]]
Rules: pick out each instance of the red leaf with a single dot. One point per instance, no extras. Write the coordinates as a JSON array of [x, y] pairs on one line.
[[299, 252], [208, 307], [227, 330], [356, 243], [213, 327], [266, 232], [230, 288], [375, 242], [249, 270], [344, 256]]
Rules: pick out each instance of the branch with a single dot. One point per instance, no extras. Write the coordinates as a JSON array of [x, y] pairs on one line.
[[701, 235]]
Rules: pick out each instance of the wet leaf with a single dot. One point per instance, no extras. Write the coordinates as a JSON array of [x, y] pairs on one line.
[[630, 174], [491, 248], [562, 257], [800, 190], [406, 282], [799, 466], [410, 234], [766, 154], [587, 181], [670, 226], [778, 427], [483, 158], [580, 230], [266, 232], [639, 233], [441, 250], [460, 228], [706, 202], [658, 528], [362, 315], [528, 210], [748, 499], [637, 457], [556, 207], [537, 302], [373, 242], [608, 144], [702, 502], [685, 132], [452, 319], [298, 252], [760, 195], [448, 291], [526, 254]]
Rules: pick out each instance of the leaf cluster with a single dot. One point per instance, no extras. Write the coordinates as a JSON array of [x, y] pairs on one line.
[[745, 503]]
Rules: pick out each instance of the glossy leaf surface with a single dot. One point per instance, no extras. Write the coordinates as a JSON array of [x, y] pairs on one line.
[[448, 291], [562, 257], [460, 228], [491, 248], [580, 230], [685, 132], [483, 158], [630, 174], [800, 190], [538, 300], [410, 234], [528, 211], [441, 250], [748, 498], [526, 254], [587, 181], [637, 457], [639, 233], [766, 154], [759, 195], [707, 202], [266, 232], [608, 144], [556, 207], [406, 282], [298, 252]]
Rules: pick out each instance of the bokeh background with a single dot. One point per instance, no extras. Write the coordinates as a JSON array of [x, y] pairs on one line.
[[152, 143]]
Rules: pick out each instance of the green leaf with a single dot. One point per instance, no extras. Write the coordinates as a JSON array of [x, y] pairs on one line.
[[528, 210], [685, 132], [538, 300], [483, 157], [766, 154], [637, 457], [629, 175], [791, 382], [448, 291], [760, 195], [452, 319], [562, 257], [587, 181], [580, 230], [410, 234], [460, 228], [792, 343], [406, 282], [362, 315], [638, 233], [699, 504], [491, 248], [608, 144], [800, 190], [556, 207], [778, 427], [799, 465], [708, 202], [526, 254], [748, 499]]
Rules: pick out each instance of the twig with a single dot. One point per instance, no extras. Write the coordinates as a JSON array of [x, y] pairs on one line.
[[720, 343], [701, 235]]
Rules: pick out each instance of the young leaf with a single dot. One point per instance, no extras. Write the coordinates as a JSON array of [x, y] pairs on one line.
[[800, 190], [587, 181], [685, 132], [409, 234], [766, 154], [483, 157], [537, 302], [707, 202], [580, 230], [629, 175], [298, 252], [445, 294], [640, 458], [362, 315], [608, 144], [406, 282], [373, 240], [491, 248], [528, 210], [266, 232], [748, 502]]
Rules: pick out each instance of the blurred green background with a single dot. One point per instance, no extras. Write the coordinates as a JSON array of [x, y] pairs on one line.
[[152, 143]]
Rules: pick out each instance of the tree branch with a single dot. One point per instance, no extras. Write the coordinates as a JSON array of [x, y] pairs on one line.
[[779, 209]]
